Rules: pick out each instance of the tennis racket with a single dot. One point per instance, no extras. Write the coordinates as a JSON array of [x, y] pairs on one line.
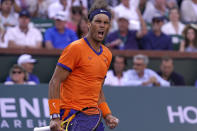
[[73, 125]]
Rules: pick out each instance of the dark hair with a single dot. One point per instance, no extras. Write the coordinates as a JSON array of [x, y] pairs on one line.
[[185, 31], [79, 31], [76, 9], [166, 58], [113, 60], [7, 0], [99, 4]]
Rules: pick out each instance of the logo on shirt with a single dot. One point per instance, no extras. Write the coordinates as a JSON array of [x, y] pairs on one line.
[[89, 57], [105, 60], [54, 105]]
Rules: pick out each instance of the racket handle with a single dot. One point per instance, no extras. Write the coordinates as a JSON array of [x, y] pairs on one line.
[[45, 128]]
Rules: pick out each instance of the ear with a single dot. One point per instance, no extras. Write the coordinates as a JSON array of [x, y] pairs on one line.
[[89, 24]]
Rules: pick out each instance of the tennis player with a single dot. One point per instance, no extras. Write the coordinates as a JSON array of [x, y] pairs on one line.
[[79, 75]]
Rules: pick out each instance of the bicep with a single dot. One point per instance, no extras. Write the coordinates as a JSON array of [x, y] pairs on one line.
[[60, 73]]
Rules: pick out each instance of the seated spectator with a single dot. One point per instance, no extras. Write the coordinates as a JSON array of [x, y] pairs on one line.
[[36, 8], [59, 5], [59, 36], [155, 38], [83, 4], [82, 27], [27, 62], [156, 7], [24, 35], [189, 44], [75, 17], [7, 19], [18, 75], [116, 76], [129, 8], [140, 75], [41, 8], [189, 11], [167, 72], [124, 38], [174, 28]]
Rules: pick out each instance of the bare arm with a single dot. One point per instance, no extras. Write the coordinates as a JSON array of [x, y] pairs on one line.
[[49, 45], [182, 46], [143, 29], [59, 75], [110, 120]]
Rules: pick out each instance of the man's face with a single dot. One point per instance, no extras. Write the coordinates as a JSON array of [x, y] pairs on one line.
[[167, 67], [174, 15], [24, 21], [123, 24], [28, 67], [59, 24], [6, 6], [139, 65], [63, 2], [157, 24], [119, 64], [99, 27]]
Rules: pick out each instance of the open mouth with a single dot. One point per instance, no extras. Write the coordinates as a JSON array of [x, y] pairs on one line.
[[101, 33]]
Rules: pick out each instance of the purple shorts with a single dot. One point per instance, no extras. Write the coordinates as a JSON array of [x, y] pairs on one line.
[[82, 122]]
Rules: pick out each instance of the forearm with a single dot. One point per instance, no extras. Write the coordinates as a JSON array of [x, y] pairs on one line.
[[54, 89]]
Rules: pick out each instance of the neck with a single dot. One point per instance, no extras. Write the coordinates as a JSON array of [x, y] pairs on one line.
[[95, 44], [61, 30], [5, 14], [141, 74], [165, 77], [124, 33], [119, 74], [23, 29], [157, 33]]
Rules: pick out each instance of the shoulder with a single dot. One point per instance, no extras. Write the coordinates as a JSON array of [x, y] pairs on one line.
[[174, 74], [30, 83], [77, 45], [51, 29], [9, 83], [107, 51], [150, 71]]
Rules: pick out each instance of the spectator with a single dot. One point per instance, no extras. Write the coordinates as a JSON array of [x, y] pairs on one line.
[[156, 7], [82, 27], [27, 62], [140, 75], [83, 4], [124, 38], [189, 44], [174, 27], [59, 36], [167, 72], [41, 8], [189, 11], [24, 35], [18, 75], [75, 16], [7, 19], [130, 10], [60, 5], [116, 76], [155, 39]]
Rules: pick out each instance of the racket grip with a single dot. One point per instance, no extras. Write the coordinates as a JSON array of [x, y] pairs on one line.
[[45, 128]]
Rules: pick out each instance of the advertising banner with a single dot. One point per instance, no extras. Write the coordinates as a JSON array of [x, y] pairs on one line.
[[139, 108]]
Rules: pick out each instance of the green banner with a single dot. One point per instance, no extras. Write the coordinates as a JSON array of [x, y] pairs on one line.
[[139, 108]]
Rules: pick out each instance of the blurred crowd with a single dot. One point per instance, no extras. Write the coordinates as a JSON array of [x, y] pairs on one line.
[[136, 25]]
